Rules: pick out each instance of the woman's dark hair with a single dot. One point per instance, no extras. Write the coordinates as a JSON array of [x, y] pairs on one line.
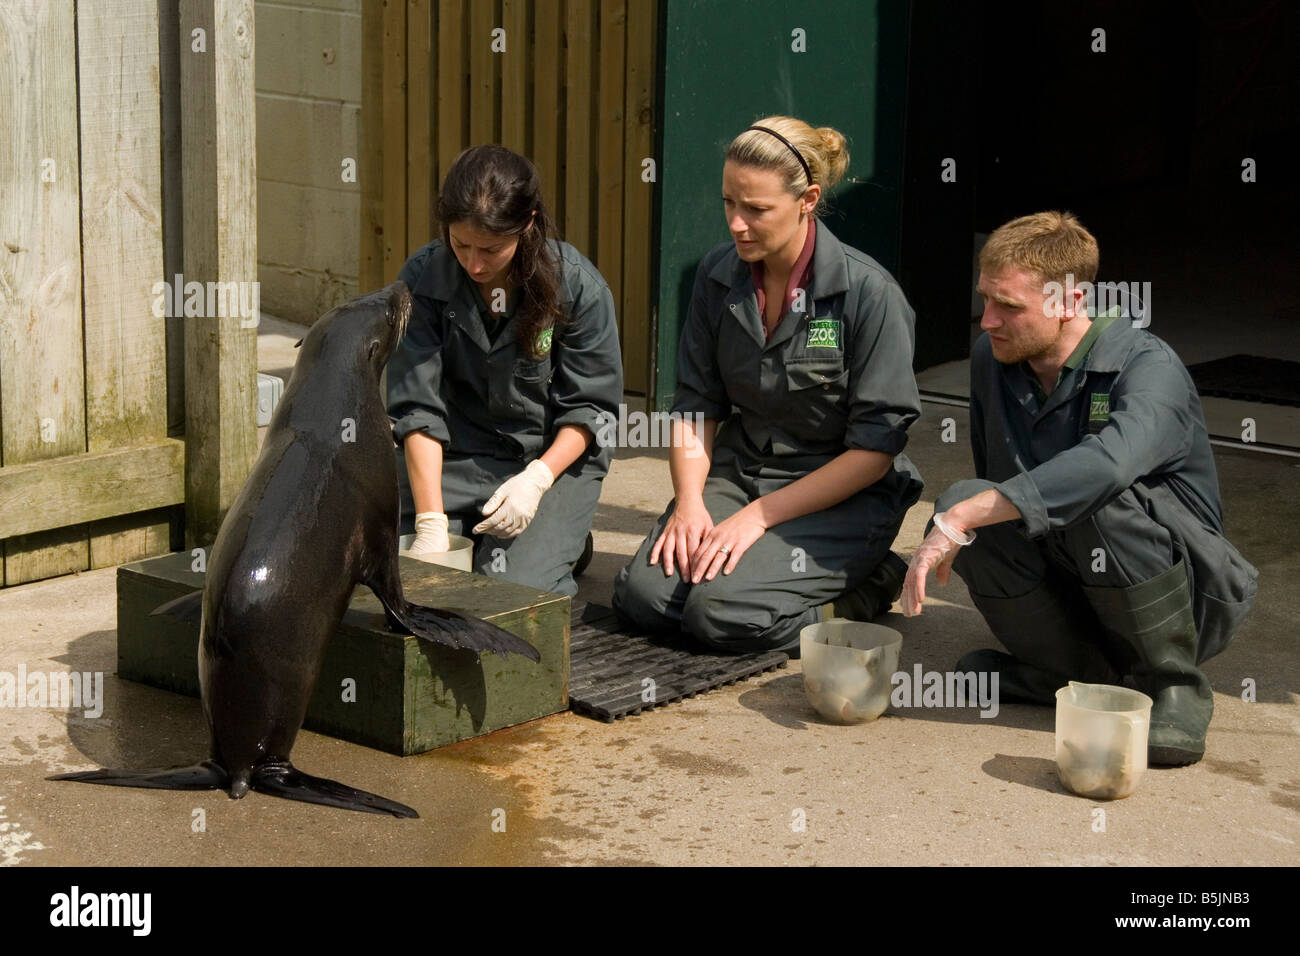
[[497, 191]]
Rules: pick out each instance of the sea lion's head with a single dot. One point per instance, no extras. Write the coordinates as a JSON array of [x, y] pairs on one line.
[[366, 328]]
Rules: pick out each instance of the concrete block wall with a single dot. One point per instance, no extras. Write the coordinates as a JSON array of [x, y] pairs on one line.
[[308, 109]]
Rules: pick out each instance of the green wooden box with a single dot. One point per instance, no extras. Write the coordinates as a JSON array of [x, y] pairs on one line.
[[410, 696]]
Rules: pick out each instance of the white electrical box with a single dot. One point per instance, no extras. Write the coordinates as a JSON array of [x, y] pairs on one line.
[[269, 390]]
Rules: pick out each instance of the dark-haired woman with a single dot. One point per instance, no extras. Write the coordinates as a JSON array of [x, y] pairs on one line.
[[509, 366], [797, 355]]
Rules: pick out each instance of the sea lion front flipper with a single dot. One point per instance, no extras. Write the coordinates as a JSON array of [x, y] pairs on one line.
[[471, 633], [437, 626], [203, 776], [286, 780]]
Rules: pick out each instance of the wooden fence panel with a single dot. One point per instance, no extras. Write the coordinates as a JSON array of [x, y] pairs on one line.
[[421, 74], [88, 474], [370, 151], [569, 83], [393, 100], [546, 123], [122, 252], [609, 157], [638, 245], [453, 86], [579, 144], [484, 118], [42, 388], [515, 112]]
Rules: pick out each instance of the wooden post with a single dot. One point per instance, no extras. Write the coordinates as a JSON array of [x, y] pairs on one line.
[[220, 194]]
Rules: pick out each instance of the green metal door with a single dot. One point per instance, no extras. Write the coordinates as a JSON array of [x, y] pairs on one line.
[[839, 63]]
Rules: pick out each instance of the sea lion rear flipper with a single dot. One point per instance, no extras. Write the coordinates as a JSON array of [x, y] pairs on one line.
[[187, 608], [203, 776], [285, 780]]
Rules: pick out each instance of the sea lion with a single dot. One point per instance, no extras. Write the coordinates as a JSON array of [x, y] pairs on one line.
[[317, 515]]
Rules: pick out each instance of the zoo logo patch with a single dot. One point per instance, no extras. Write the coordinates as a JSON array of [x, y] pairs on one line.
[[823, 334], [544, 341], [1099, 407]]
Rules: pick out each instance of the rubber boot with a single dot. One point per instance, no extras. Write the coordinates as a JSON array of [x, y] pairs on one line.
[[1049, 641], [1154, 623], [873, 596]]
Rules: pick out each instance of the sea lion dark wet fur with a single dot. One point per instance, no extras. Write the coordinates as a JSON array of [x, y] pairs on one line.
[[317, 516]]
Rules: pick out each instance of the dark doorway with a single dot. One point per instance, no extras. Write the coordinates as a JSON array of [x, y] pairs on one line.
[[1147, 131]]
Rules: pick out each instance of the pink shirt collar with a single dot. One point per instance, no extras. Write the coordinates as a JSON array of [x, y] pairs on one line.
[[799, 276]]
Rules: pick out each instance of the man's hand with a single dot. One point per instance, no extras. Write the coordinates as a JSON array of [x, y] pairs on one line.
[[937, 551], [513, 505]]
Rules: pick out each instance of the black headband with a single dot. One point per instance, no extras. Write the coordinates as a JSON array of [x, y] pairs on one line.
[[789, 145]]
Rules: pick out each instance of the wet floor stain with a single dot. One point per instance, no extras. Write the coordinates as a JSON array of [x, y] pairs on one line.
[[694, 763], [1248, 771]]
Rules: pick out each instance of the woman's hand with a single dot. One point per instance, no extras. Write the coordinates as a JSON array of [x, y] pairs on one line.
[[686, 527], [721, 548]]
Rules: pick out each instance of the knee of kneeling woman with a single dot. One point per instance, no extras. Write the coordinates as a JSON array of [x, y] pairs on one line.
[[728, 626], [632, 605]]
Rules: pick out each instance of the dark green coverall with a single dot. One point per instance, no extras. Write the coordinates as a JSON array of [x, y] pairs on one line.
[[836, 376], [494, 408], [1119, 566]]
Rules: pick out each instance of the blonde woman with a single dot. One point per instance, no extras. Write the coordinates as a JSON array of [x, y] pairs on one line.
[[797, 357]]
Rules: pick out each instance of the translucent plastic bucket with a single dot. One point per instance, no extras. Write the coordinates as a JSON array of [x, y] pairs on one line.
[[847, 668], [1101, 739], [459, 555]]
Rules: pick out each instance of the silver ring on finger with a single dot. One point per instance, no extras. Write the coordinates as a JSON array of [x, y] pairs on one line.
[[724, 550]]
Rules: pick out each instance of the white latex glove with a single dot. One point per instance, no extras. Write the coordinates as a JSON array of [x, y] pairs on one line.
[[939, 548], [513, 505], [430, 533]]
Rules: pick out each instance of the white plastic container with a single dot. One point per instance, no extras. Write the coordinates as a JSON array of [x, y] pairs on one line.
[[1101, 739], [847, 668], [459, 555]]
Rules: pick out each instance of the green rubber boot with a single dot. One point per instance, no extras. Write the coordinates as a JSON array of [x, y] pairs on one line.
[[873, 596], [1049, 641], [1153, 622]]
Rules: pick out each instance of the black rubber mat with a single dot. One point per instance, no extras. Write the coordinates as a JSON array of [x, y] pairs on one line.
[[609, 666], [1249, 378]]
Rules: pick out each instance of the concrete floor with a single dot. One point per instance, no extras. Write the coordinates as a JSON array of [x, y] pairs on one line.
[[728, 777]]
